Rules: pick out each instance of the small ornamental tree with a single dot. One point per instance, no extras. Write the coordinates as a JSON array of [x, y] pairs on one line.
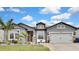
[[23, 36]]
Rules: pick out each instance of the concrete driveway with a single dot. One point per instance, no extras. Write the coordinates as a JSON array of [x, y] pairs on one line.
[[63, 46]]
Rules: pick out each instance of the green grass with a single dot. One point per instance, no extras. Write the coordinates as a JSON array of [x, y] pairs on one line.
[[24, 48]]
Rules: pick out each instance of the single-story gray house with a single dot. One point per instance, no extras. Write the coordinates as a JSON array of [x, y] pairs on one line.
[[57, 33]]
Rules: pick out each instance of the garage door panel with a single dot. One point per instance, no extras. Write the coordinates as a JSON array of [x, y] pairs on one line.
[[60, 37]]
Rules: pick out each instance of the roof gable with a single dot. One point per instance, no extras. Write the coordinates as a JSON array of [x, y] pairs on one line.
[[24, 25], [64, 24], [17, 26], [40, 23]]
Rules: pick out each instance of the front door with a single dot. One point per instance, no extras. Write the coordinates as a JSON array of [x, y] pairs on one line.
[[41, 36], [30, 35]]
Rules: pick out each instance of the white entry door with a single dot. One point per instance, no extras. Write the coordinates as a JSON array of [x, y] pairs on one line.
[[60, 37]]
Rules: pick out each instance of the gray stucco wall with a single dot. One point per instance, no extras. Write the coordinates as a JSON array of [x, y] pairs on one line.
[[54, 29]]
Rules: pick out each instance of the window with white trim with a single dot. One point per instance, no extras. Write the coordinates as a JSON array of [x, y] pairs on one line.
[[61, 26], [40, 26], [12, 36]]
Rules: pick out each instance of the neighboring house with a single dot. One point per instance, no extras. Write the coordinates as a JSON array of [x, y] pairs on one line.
[[57, 33]]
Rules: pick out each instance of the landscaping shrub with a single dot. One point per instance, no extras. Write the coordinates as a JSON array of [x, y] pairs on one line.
[[19, 42], [14, 41], [25, 42], [2, 42], [8, 42], [28, 43]]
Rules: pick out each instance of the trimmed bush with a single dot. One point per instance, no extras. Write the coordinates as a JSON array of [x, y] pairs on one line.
[[2, 42], [28, 43], [19, 42], [8, 42], [14, 41]]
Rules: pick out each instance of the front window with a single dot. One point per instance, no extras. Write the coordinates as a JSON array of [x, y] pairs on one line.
[[60, 26], [40, 37], [40, 26], [11, 36]]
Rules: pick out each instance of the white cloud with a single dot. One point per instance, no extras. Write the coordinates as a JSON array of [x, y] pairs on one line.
[[54, 22], [17, 10], [44, 21], [61, 16], [73, 10], [64, 16], [71, 23], [48, 23], [27, 18], [34, 23], [47, 10], [2, 9]]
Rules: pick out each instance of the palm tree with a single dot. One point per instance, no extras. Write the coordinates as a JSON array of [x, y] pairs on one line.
[[6, 27], [23, 36]]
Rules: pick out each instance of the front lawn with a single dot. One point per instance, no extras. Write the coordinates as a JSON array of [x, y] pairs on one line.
[[24, 48]]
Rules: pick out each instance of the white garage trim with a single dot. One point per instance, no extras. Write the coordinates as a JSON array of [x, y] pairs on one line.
[[63, 37], [60, 32]]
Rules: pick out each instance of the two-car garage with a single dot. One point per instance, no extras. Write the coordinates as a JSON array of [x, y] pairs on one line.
[[61, 33], [61, 37]]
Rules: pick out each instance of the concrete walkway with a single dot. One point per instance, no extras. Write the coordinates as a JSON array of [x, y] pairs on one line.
[[63, 46]]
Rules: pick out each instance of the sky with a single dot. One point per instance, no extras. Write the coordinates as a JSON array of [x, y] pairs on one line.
[[49, 15]]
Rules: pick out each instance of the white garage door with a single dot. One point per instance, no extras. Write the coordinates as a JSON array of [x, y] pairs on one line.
[[60, 37]]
